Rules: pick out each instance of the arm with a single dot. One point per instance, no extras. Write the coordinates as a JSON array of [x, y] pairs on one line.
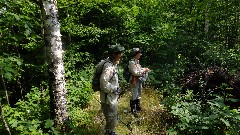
[[134, 70]]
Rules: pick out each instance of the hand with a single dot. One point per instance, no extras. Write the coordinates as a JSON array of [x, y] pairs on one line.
[[146, 69], [118, 91]]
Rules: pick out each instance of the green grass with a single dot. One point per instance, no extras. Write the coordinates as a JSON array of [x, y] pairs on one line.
[[151, 120]]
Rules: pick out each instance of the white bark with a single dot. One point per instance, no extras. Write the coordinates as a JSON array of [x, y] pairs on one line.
[[5, 89], [55, 61], [3, 119]]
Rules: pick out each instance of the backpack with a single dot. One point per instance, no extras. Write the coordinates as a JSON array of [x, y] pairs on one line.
[[126, 73], [96, 77]]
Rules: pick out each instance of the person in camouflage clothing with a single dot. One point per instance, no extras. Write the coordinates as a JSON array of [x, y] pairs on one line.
[[110, 90], [137, 79]]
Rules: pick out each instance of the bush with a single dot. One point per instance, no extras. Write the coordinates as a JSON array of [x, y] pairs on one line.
[[214, 117], [30, 116], [79, 88]]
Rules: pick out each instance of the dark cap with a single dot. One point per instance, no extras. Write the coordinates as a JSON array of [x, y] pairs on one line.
[[116, 48], [136, 51]]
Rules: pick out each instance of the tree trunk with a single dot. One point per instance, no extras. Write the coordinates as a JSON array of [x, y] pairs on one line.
[[206, 21], [5, 89], [52, 37], [3, 119]]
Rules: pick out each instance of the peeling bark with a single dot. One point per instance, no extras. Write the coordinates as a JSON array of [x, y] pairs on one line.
[[52, 36]]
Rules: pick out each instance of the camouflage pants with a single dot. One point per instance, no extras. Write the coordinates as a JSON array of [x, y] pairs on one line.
[[136, 90], [110, 113]]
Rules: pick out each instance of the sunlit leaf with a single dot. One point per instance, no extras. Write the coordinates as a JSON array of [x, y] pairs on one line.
[[225, 121]]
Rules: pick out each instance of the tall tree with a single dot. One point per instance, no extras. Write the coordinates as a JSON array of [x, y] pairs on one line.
[[52, 36]]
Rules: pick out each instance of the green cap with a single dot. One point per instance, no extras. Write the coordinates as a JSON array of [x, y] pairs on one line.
[[116, 48], [136, 51]]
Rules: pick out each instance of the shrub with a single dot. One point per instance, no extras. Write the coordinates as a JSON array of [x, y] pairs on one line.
[[214, 117], [30, 116], [79, 88]]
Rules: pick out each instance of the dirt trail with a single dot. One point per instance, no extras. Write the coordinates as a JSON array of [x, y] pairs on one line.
[[150, 121]]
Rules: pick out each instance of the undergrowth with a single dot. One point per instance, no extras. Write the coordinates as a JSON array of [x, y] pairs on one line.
[[151, 120]]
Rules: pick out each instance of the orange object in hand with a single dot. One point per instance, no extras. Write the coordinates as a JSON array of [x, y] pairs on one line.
[[134, 80]]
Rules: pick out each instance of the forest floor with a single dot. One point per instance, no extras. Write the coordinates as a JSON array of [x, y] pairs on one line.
[[152, 120]]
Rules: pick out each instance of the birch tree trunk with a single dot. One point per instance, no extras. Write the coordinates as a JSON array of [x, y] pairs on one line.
[[52, 36], [4, 88], [3, 119]]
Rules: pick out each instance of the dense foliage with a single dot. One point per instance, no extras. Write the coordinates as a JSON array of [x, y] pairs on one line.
[[176, 36]]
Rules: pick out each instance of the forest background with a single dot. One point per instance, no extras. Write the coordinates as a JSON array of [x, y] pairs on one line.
[[176, 36]]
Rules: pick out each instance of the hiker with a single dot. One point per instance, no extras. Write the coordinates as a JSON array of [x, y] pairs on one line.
[[110, 90], [137, 78]]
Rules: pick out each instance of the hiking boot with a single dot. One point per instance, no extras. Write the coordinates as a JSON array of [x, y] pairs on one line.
[[110, 133], [138, 105], [133, 106]]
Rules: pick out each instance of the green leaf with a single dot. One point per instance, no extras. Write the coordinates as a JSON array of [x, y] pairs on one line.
[[238, 117], [8, 75], [12, 58], [49, 123], [15, 15], [14, 124], [7, 69], [226, 122], [1, 72], [2, 64], [213, 116], [204, 127], [171, 132]]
